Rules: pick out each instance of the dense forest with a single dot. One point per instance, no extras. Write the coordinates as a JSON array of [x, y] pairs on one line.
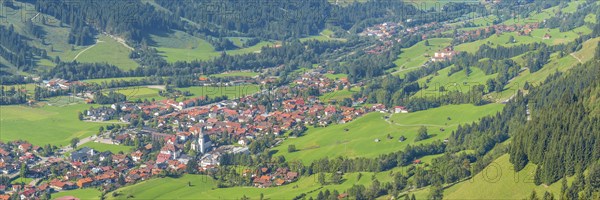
[[561, 143], [14, 49], [129, 19]]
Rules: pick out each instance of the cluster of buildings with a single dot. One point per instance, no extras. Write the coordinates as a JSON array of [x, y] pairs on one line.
[[443, 55], [265, 177], [60, 84], [525, 30], [383, 30]]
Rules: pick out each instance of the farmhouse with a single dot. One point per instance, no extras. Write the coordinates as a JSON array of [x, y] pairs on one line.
[[445, 54], [400, 109]]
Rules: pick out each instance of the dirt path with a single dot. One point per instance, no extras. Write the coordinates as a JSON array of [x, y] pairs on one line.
[[77, 56], [572, 54], [120, 40], [160, 87]]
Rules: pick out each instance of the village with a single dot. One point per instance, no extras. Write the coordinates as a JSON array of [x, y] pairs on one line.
[[171, 136]]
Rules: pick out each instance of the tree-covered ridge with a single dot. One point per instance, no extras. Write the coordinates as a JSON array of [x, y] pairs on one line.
[[14, 48], [289, 18], [562, 136], [129, 19]]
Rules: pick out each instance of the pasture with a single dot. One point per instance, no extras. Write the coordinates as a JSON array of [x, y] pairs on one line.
[[231, 92], [536, 36], [325, 35], [107, 50], [555, 64], [180, 46], [336, 76], [357, 138], [101, 147], [138, 92], [204, 187], [418, 54], [458, 81], [46, 124], [338, 95], [506, 183], [236, 73], [108, 80], [87, 194]]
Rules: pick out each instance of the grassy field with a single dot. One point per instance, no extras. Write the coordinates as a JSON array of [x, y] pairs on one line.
[[536, 36], [205, 188], [55, 37], [83, 194], [107, 147], [236, 73], [110, 51], [108, 80], [325, 35], [229, 91], [336, 76], [139, 92], [20, 180], [338, 95], [180, 46], [145, 92], [500, 181], [30, 87], [46, 124], [458, 81], [415, 56], [586, 53], [334, 141], [434, 4], [555, 64]]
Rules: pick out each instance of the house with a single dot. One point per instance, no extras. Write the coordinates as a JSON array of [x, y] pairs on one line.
[[24, 147], [84, 154], [60, 185], [242, 142], [137, 156], [84, 182], [547, 36], [446, 54], [343, 196], [416, 162], [400, 109]]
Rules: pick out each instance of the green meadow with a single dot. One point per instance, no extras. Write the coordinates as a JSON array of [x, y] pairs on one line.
[[236, 73], [46, 124], [151, 92], [101, 147], [338, 95], [107, 50], [325, 35], [180, 46], [108, 80], [231, 92], [536, 36], [204, 187], [359, 139], [139, 92], [458, 81], [20, 180], [336, 76], [418, 54], [555, 64], [499, 180], [586, 53], [84, 194]]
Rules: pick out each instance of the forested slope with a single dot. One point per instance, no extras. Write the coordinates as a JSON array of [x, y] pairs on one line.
[[563, 135]]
